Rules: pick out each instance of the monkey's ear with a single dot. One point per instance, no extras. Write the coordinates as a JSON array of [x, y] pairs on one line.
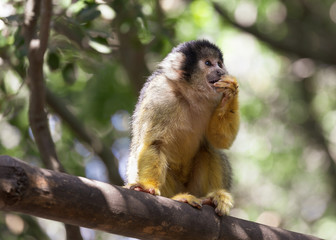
[[172, 66]]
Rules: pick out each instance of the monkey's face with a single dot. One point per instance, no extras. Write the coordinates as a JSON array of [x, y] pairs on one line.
[[198, 63], [213, 69], [210, 70]]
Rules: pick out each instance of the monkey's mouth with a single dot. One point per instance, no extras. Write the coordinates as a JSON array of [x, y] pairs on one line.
[[213, 81]]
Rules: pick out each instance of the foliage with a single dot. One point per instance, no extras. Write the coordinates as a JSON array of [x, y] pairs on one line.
[[100, 53]]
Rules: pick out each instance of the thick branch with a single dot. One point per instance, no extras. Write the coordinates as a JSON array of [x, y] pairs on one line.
[[93, 204]]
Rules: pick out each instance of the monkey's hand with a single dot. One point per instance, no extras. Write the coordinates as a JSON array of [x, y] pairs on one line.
[[227, 85], [221, 200], [141, 188], [188, 198]]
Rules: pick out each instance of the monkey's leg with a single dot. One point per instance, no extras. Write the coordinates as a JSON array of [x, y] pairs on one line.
[[211, 178], [152, 168], [224, 123]]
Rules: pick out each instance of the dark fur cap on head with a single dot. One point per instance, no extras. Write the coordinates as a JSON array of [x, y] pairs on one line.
[[194, 51]]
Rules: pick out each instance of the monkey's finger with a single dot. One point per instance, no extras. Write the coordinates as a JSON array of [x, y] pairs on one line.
[[151, 191], [137, 188], [227, 81], [140, 189], [183, 200], [193, 204], [196, 204], [229, 78], [220, 89], [220, 213], [208, 201], [227, 85], [220, 209], [225, 99], [223, 209]]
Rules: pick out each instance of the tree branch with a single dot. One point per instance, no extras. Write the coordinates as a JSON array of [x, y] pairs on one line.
[[36, 48], [37, 116], [87, 136], [93, 204], [131, 50], [285, 45], [32, 12], [45, 26], [314, 130]]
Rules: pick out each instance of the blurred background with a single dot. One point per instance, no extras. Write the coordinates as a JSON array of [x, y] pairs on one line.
[[283, 53]]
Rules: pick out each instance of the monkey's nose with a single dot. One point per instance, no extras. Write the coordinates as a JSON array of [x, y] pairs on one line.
[[220, 73]]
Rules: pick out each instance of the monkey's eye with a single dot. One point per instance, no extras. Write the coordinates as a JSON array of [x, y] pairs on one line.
[[220, 64], [208, 63]]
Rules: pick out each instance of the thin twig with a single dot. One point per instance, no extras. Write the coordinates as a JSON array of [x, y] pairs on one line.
[[36, 48]]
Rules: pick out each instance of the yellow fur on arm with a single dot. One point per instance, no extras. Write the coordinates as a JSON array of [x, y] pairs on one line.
[[224, 124], [152, 167]]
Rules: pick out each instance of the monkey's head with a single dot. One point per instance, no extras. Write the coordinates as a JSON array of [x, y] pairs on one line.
[[198, 62]]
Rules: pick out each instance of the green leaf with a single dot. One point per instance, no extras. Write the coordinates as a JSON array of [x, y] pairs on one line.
[[69, 73], [88, 14], [53, 61]]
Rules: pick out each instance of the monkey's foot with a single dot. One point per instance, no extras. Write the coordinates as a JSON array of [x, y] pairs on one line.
[[188, 198], [141, 188], [227, 85], [221, 200]]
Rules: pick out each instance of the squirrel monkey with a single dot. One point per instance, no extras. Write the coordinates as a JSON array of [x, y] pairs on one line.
[[187, 111]]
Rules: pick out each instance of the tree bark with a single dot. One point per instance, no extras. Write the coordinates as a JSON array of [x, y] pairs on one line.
[[38, 119], [36, 47], [92, 204]]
